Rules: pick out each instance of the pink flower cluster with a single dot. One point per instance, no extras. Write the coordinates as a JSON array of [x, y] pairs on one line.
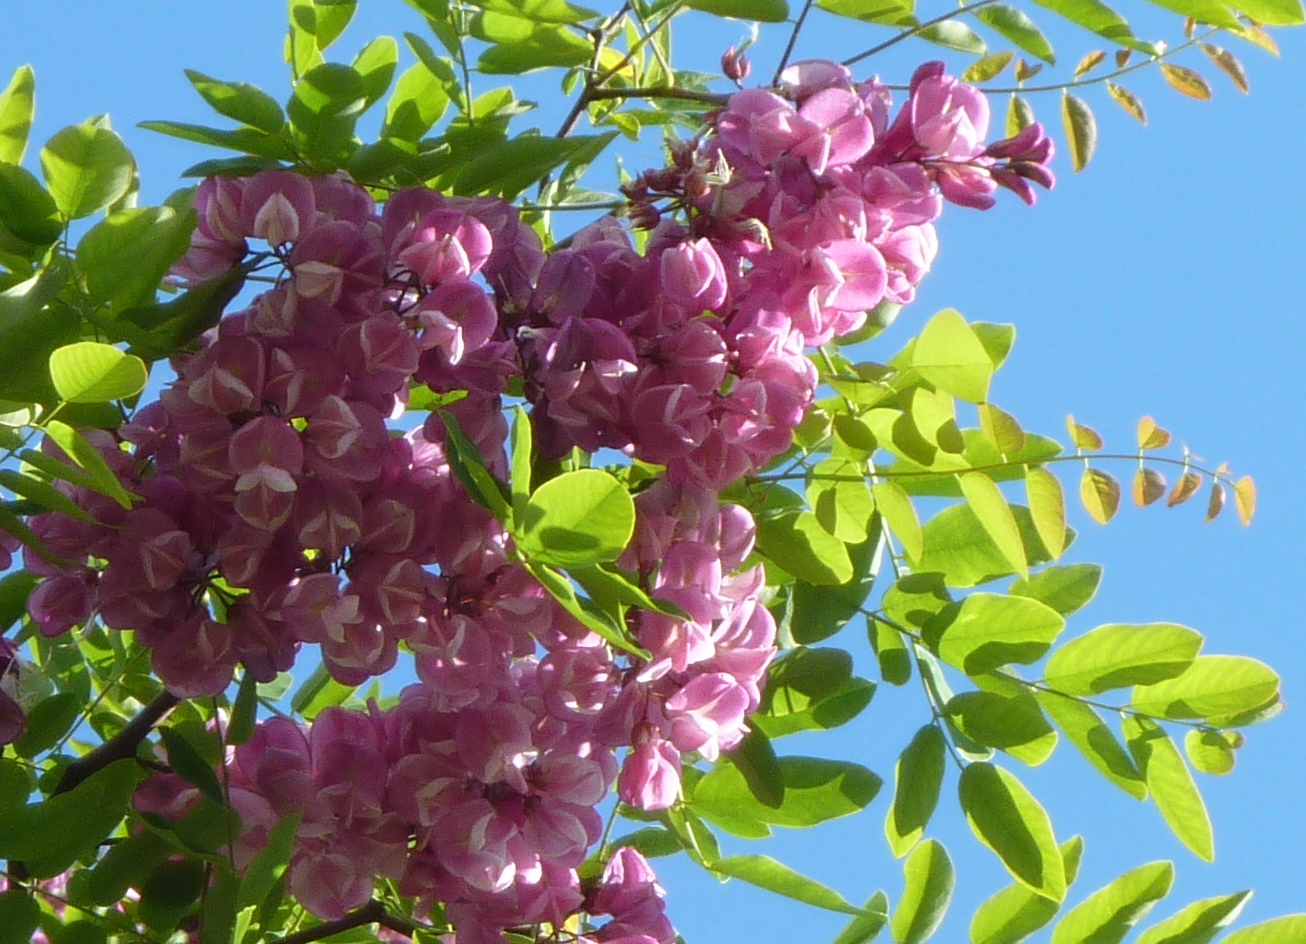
[[275, 508]]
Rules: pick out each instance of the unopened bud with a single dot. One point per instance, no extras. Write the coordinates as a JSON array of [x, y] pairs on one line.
[[735, 65]]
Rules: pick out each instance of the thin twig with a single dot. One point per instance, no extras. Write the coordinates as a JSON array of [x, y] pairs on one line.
[[374, 912], [793, 41], [907, 34], [121, 746], [668, 91]]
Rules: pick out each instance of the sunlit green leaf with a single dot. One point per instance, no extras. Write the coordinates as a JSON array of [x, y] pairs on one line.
[[17, 106], [1199, 922], [86, 167], [1015, 912], [927, 892], [949, 355], [991, 630], [864, 928], [1212, 752], [1106, 916], [1007, 818], [918, 778], [1015, 25], [993, 512], [1290, 929], [815, 790], [1085, 729], [767, 11], [90, 372], [239, 101], [1119, 655], [767, 873], [1013, 724], [1212, 687], [579, 518], [1171, 785], [796, 542]]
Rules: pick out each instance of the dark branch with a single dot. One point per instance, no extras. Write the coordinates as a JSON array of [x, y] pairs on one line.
[[793, 41], [121, 746], [374, 912]]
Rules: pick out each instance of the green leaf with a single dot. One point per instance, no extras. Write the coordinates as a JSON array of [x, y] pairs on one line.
[[958, 546], [611, 589], [898, 512], [1290, 929], [1212, 752], [954, 34], [950, 356], [187, 763], [1171, 785], [1212, 687], [820, 612], [842, 502], [239, 101], [156, 331], [327, 101], [418, 102], [17, 107], [765, 11], [125, 256], [262, 873], [1106, 916], [1199, 922], [918, 777], [1016, 26], [1067, 588], [99, 476], [815, 790], [543, 47], [579, 518], [19, 912], [1118, 655], [48, 722], [767, 873], [469, 468], [1081, 130], [1097, 17], [1007, 818], [30, 328], [755, 758], [801, 679], [652, 842], [1204, 11], [1010, 723], [39, 831], [1272, 12], [26, 209], [796, 542], [376, 63], [927, 892], [1085, 729], [583, 608], [89, 372], [991, 630], [15, 588], [1047, 508], [217, 914], [993, 512], [244, 712], [43, 493], [891, 653], [86, 167], [864, 928], [127, 864], [1015, 912], [246, 140], [540, 11], [508, 168]]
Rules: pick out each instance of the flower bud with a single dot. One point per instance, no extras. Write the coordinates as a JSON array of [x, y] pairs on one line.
[[735, 65]]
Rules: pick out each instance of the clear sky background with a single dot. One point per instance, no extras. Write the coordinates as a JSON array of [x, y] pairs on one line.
[[1168, 279]]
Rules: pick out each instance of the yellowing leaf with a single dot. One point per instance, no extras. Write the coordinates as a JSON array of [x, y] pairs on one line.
[[1089, 62], [1244, 498], [1047, 506], [1001, 429], [1151, 436], [1100, 493], [1215, 504], [1019, 116], [1084, 437], [987, 68], [1228, 63], [1257, 36], [1025, 71], [1149, 486], [1187, 81], [1184, 489], [1081, 130], [1128, 101], [1122, 57]]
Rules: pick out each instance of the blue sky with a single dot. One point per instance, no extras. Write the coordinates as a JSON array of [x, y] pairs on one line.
[[1168, 279]]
